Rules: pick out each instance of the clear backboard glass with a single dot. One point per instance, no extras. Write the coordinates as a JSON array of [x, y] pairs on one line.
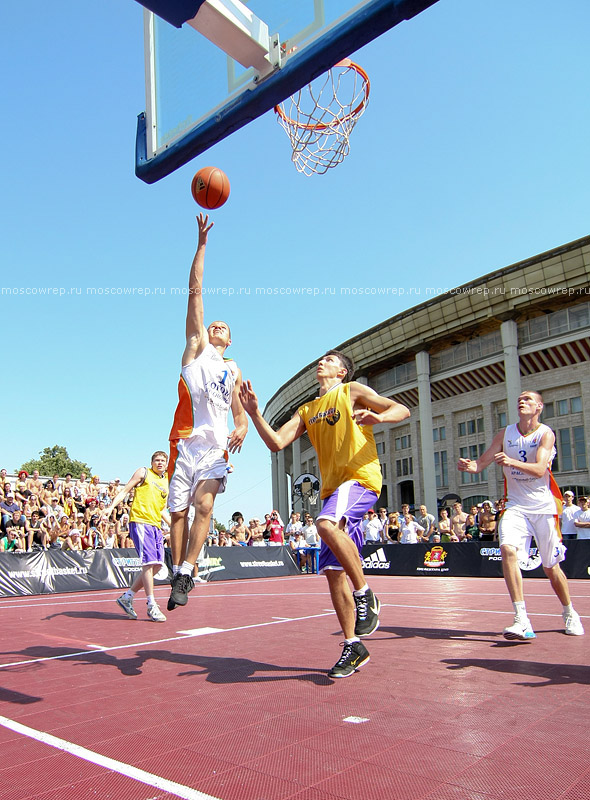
[[196, 94]]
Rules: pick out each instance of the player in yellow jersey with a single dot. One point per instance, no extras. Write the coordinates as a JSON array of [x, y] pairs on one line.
[[339, 424], [148, 508]]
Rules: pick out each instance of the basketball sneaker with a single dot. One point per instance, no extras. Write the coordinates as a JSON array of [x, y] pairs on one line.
[[520, 629], [573, 624], [181, 586], [155, 614], [354, 655], [126, 604], [367, 613]]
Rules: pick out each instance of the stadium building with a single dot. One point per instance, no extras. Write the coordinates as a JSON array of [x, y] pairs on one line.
[[459, 362]]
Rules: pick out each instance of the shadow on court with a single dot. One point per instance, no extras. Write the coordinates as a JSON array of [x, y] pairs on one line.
[[218, 669], [552, 674], [10, 696], [103, 615], [400, 632]]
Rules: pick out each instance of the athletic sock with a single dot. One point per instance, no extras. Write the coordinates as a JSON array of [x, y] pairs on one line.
[[129, 594], [520, 609], [175, 569], [363, 590], [186, 568], [151, 600], [352, 640], [568, 609]]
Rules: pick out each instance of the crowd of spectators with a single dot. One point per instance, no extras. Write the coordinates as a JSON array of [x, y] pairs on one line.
[[299, 534], [64, 513], [457, 525], [74, 514]]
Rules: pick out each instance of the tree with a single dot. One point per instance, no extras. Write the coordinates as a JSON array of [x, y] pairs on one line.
[[56, 461]]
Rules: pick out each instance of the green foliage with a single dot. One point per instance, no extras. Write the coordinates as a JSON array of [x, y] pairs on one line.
[[56, 461], [219, 526]]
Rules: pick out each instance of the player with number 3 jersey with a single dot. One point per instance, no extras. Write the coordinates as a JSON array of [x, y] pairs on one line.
[[533, 504]]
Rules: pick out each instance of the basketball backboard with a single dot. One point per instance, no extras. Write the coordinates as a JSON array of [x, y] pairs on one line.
[[197, 94]]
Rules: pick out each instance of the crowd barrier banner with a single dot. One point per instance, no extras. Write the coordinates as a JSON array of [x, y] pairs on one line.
[[55, 571], [233, 563], [466, 560]]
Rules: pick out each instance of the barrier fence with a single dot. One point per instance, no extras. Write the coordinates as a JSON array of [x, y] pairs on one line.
[[56, 571]]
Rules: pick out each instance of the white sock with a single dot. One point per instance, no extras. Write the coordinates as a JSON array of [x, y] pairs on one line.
[[352, 640], [129, 594], [520, 609], [175, 569], [568, 609], [363, 590], [186, 568], [151, 600]]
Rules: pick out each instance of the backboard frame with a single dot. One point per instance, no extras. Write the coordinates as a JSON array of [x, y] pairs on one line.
[[367, 23]]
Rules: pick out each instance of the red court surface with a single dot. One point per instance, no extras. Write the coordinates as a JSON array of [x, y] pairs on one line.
[[230, 698]]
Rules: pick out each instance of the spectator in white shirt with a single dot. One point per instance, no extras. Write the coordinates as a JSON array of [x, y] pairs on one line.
[[570, 509]]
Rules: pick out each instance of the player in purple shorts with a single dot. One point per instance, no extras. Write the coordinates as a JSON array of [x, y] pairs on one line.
[[339, 424], [150, 494]]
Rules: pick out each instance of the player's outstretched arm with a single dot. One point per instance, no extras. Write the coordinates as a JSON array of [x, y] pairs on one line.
[[137, 478], [485, 459], [370, 408], [274, 440], [237, 436], [196, 333]]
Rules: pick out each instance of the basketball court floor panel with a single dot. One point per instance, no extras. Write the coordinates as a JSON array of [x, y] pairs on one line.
[[230, 698]]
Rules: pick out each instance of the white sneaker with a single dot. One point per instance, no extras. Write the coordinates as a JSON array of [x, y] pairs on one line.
[[521, 629], [573, 624], [155, 614], [126, 604]]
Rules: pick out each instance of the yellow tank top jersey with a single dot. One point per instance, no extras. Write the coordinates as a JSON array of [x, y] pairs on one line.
[[346, 451], [149, 499]]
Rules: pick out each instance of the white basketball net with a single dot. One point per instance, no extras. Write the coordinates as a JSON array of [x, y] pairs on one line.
[[321, 116]]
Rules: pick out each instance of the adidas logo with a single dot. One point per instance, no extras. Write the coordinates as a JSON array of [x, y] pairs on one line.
[[376, 560]]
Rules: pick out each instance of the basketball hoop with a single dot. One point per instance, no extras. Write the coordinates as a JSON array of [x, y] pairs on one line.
[[321, 117]]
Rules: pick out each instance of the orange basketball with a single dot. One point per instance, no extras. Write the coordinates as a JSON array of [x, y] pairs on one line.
[[210, 187]]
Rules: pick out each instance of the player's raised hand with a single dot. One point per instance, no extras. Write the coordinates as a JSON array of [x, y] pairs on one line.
[[204, 227], [248, 398]]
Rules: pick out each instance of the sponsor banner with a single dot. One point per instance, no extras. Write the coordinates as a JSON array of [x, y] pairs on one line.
[[233, 563], [54, 571], [466, 559]]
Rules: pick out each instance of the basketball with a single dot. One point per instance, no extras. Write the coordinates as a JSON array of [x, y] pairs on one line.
[[210, 187]]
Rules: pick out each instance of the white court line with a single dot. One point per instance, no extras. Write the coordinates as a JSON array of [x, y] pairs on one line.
[[108, 763], [450, 609], [198, 632]]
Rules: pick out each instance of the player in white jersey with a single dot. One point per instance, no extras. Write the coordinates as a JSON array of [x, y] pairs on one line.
[[200, 438], [532, 507]]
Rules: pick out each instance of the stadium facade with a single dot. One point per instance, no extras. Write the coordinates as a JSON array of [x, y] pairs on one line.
[[459, 362]]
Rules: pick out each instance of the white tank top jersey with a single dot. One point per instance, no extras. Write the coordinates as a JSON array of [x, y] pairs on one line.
[[525, 492], [211, 381]]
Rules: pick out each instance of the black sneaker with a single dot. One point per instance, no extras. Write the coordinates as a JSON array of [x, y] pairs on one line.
[[367, 613], [353, 657], [181, 586]]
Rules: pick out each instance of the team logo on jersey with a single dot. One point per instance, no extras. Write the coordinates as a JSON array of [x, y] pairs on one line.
[[219, 391], [331, 416]]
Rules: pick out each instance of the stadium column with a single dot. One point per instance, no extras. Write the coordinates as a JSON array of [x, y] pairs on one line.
[[509, 332], [295, 469], [274, 463], [283, 494], [426, 440]]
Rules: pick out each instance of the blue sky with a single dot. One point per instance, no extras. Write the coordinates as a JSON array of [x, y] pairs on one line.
[[473, 154]]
